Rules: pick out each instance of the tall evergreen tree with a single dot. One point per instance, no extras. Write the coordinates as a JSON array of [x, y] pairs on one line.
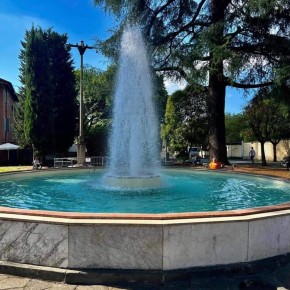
[[18, 130], [216, 43], [64, 102], [18, 116], [48, 84]]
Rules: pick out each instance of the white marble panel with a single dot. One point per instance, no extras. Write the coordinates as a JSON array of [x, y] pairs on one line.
[[269, 237], [204, 244], [34, 243], [115, 247]]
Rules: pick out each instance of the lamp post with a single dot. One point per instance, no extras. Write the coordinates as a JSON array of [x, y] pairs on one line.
[[81, 146]]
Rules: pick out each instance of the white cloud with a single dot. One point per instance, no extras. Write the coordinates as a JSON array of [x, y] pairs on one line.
[[173, 86]]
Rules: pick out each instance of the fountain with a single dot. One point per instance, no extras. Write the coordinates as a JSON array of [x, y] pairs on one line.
[[75, 245], [133, 143]]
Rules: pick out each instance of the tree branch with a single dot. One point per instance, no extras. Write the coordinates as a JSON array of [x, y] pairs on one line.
[[172, 68], [234, 84]]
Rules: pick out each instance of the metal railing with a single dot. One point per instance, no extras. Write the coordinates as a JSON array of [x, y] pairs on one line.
[[89, 161], [97, 161], [65, 162]]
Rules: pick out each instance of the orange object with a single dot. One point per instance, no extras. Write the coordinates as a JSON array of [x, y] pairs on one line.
[[215, 165]]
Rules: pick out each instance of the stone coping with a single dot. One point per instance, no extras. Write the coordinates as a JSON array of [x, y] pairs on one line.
[[5, 212]]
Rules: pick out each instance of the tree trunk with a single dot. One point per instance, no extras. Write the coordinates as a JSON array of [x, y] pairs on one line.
[[216, 115], [217, 87], [274, 151], [264, 162]]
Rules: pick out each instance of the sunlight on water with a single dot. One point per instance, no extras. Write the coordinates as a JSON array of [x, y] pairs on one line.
[[65, 181]]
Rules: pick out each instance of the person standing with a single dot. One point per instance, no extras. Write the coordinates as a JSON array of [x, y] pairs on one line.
[[252, 154]]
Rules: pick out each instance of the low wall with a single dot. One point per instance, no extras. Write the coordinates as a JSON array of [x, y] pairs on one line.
[[143, 242]]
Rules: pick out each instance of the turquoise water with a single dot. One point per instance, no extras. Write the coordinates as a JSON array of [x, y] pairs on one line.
[[182, 191]]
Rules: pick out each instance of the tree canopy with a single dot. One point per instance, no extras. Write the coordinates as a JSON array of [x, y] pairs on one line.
[[186, 122], [215, 43], [48, 89], [98, 87], [235, 125], [268, 120]]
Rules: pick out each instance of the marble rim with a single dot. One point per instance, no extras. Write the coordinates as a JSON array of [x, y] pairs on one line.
[[133, 216], [143, 216]]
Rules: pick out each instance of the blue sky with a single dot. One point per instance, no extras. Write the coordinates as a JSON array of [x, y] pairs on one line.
[[80, 20]]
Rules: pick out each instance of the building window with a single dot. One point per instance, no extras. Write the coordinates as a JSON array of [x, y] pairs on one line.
[[6, 125]]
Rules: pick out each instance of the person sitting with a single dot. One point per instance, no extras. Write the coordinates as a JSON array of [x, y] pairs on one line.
[[215, 164], [36, 163]]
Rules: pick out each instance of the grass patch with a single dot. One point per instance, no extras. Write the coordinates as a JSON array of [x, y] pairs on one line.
[[14, 168]]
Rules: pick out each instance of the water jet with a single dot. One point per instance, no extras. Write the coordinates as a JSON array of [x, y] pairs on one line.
[[133, 143]]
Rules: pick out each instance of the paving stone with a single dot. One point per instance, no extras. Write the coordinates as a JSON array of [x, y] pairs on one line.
[[42, 285], [265, 281], [13, 282], [3, 276], [14, 288]]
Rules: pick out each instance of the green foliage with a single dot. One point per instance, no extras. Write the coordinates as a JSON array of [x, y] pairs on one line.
[[267, 118], [18, 129], [235, 125], [160, 97], [98, 88], [186, 119], [18, 122], [215, 43], [97, 139], [48, 84]]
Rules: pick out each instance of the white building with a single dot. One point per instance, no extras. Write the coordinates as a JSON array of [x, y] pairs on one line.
[[242, 150]]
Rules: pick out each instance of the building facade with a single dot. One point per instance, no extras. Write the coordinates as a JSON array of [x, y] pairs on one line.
[[241, 150], [8, 98]]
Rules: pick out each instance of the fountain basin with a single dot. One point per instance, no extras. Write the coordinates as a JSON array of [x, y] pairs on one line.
[[154, 243]]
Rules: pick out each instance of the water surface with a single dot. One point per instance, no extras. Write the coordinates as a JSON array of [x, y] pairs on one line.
[[182, 191]]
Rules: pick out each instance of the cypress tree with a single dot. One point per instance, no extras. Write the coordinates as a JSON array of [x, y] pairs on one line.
[[50, 97]]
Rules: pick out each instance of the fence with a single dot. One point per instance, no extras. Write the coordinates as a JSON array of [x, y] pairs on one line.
[[89, 161], [65, 162], [97, 161]]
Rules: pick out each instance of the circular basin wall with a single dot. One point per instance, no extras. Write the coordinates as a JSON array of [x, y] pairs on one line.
[[158, 242]]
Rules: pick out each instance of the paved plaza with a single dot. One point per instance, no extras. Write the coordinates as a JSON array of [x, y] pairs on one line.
[[278, 279]]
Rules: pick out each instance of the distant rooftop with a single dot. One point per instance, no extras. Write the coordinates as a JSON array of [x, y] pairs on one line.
[[9, 86]]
